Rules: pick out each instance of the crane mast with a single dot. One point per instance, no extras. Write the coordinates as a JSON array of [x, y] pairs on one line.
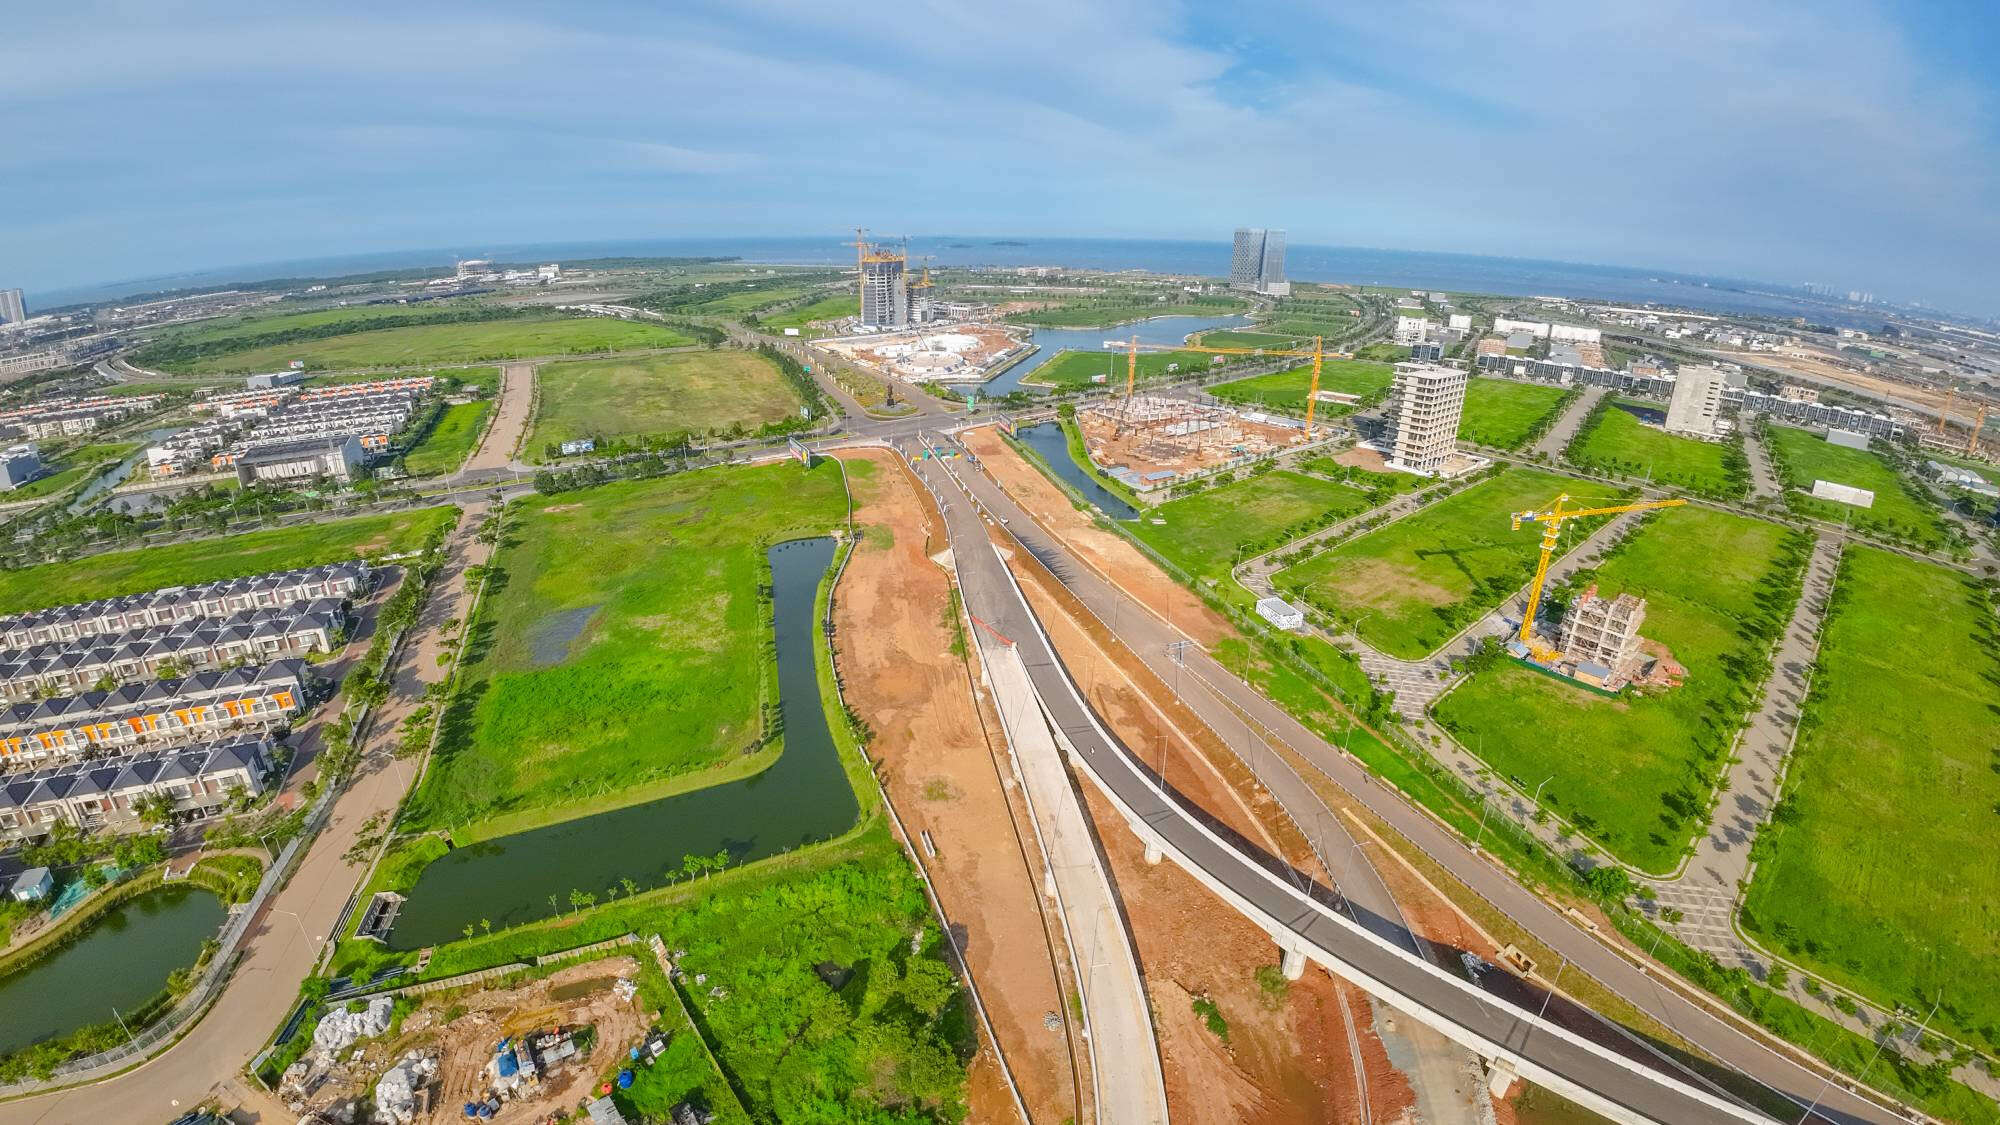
[[1552, 519]]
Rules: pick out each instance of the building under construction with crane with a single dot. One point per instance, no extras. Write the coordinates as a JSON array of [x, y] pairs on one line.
[[890, 299], [1597, 641]]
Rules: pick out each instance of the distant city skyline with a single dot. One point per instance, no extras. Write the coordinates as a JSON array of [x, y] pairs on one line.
[[1855, 147]]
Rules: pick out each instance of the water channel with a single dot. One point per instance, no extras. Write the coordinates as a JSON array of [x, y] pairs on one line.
[[803, 797], [116, 475], [1054, 341], [121, 961], [1048, 439]]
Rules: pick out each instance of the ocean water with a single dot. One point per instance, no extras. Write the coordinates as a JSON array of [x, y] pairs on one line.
[[1352, 265]]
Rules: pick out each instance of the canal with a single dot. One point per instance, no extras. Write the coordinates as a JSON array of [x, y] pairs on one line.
[[1054, 341], [1048, 440], [121, 961], [116, 475], [802, 798]]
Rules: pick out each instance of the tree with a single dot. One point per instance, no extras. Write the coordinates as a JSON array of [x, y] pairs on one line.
[[155, 809], [1608, 883]]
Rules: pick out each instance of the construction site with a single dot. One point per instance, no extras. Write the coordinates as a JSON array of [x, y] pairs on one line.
[[963, 353], [1597, 640], [1147, 441], [539, 1051]]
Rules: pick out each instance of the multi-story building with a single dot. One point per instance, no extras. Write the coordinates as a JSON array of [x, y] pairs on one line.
[[1257, 262], [885, 293], [13, 306], [1411, 329], [105, 793], [338, 581], [1602, 631], [1695, 407], [1425, 401], [19, 464], [73, 667], [205, 705]]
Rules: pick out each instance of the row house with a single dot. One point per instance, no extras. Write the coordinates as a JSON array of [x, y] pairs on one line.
[[206, 705], [414, 384], [105, 793], [260, 635], [105, 616]]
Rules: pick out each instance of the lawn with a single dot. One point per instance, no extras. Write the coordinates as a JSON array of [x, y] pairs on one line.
[[71, 468], [629, 643], [1073, 370], [1503, 414], [1616, 442], [445, 448], [1899, 513], [826, 308], [1202, 532], [1879, 870], [1635, 773], [205, 560], [1123, 308], [750, 300], [455, 342], [250, 325], [658, 396], [1238, 338], [1417, 582], [1286, 390]]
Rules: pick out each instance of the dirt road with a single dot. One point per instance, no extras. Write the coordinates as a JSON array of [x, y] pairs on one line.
[[894, 630], [500, 447]]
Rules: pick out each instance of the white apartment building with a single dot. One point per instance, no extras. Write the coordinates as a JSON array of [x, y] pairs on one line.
[[1696, 405], [1425, 401], [1412, 329]]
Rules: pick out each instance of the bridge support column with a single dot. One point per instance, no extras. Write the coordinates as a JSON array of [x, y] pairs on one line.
[[1500, 1077], [1293, 963], [1153, 853]]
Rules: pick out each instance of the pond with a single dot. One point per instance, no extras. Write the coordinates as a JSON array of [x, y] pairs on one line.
[[802, 798], [116, 475], [1052, 342], [121, 961], [1048, 439]]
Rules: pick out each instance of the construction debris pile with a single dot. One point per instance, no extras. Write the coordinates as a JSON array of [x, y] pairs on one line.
[[340, 1028], [1148, 441], [399, 1096]]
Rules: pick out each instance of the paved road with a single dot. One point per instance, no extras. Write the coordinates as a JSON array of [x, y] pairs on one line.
[[1564, 431], [1721, 1036], [1763, 475], [1307, 914], [502, 443], [282, 947]]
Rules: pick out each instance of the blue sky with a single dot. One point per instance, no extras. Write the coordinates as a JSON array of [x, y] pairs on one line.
[[1852, 143]]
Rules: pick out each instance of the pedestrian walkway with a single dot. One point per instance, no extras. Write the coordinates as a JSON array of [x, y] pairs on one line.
[[1564, 431]]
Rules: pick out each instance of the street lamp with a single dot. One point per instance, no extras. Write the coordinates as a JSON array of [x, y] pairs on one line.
[[1536, 800]]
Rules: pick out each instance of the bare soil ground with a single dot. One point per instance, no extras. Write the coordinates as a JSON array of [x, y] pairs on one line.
[[1287, 1056], [510, 419], [1106, 552], [895, 628]]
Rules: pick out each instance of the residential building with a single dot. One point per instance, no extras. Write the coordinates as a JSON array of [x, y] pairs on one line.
[[1695, 407], [339, 457], [72, 667], [205, 705], [35, 884], [13, 306], [1257, 262], [335, 581], [1425, 401], [19, 464], [1411, 329], [1427, 351], [198, 782], [1874, 423], [1600, 630], [1460, 321]]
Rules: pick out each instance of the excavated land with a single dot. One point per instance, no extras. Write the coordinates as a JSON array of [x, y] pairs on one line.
[[461, 1030], [901, 656], [1104, 551], [1287, 1055], [1150, 434]]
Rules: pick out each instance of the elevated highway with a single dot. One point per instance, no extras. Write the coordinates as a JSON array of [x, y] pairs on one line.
[[1310, 923]]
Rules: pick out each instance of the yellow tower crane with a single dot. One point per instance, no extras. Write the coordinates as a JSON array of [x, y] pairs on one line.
[[1551, 518], [1318, 355]]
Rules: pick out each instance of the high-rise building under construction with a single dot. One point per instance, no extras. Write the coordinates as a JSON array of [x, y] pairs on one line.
[[885, 294], [1258, 263], [12, 309]]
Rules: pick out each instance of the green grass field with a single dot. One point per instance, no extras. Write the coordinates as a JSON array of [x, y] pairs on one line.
[[1202, 532], [445, 448], [443, 344], [736, 304], [658, 395], [1879, 869], [1899, 513], [1619, 443], [1504, 414], [826, 308], [73, 466], [627, 645], [1239, 338], [1286, 390], [205, 560], [248, 325], [1635, 773], [1123, 308], [1072, 370], [1418, 581]]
